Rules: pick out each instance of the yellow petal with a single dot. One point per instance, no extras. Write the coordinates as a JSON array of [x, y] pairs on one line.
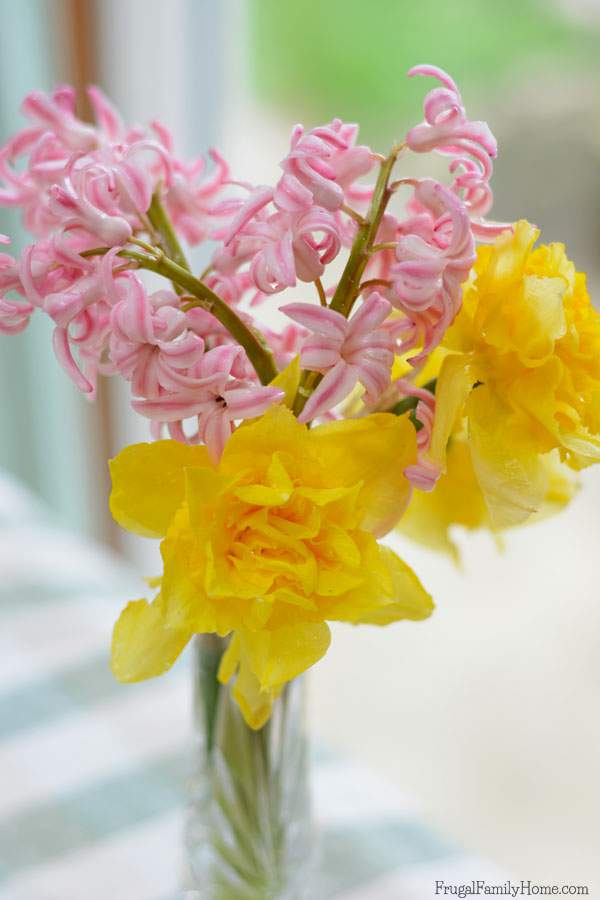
[[430, 370], [142, 645], [508, 256], [511, 475], [456, 500], [325, 496], [452, 388], [393, 594], [230, 660], [255, 703], [373, 450], [184, 602], [278, 476], [562, 486], [276, 492], [148, 484], [278, 655], [541, 320], [250, 449], [288, 381], [203, 490], [583, 447], [261, 495], [409, 599]]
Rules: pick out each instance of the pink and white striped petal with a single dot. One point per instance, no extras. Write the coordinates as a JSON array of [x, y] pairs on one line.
[[332, 389]]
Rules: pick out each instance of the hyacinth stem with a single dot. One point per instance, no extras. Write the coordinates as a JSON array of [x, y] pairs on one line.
[[256, 349], [258, 353], [349, 285], [409, 404], [160, 221], [321, 292]]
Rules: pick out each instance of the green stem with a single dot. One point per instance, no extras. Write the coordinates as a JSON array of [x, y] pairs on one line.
[[207, 657], [160, 220], [257, 352], [409, 404], [321, 292], [349, 285]]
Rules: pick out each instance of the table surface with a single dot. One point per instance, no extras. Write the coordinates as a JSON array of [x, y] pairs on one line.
[[92, 773]]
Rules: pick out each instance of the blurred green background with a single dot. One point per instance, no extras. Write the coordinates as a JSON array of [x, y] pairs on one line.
[[348, 58], [529, 68]]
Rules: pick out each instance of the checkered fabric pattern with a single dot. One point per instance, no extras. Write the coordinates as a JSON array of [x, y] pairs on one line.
[[92, 773]]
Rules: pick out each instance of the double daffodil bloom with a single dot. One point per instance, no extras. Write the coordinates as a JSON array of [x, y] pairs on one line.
[[522, 370], [458, 500], [266, 546]]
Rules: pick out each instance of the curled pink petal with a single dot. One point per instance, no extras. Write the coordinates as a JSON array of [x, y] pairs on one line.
[[345, 351], [14, 315], [433, 259], [217, 428], [423, 475], [317, 318], [333, 388], [169, 409], [105, 114], [447, 129], [326, 163], [60, 341], [371, 314], [249, 402], [257, 200], [291, 195]]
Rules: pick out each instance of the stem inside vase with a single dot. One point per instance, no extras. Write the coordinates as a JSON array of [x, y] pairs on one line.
[[249, 834]]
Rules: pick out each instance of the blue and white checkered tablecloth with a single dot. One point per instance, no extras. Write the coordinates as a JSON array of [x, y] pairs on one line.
[[92, 773]]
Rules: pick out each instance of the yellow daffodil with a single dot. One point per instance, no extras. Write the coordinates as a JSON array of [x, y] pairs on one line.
[[523, 370], [458, 500], [266, 546]]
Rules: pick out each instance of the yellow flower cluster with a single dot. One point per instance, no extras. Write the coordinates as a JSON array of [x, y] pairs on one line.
[[280, 537], [458, 500], [267, 546], [518, 392]]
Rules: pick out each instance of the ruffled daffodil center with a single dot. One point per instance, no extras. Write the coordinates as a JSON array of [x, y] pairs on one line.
[[269, 543]]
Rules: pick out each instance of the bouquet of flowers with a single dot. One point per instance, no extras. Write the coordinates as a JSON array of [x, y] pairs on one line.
[[448, 372]]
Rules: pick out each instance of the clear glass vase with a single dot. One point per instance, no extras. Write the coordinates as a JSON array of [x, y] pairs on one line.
[[249, 834]]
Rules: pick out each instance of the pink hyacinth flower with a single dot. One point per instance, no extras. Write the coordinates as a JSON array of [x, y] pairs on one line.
[[64, 173], [434, 257], [75, 210], [321, 167], [55, 113], [345, 351], [216, 400], [425, 472], [471, 145], [280, 247], [14, 314], [191, 197], [151, 345], [446, 125]]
